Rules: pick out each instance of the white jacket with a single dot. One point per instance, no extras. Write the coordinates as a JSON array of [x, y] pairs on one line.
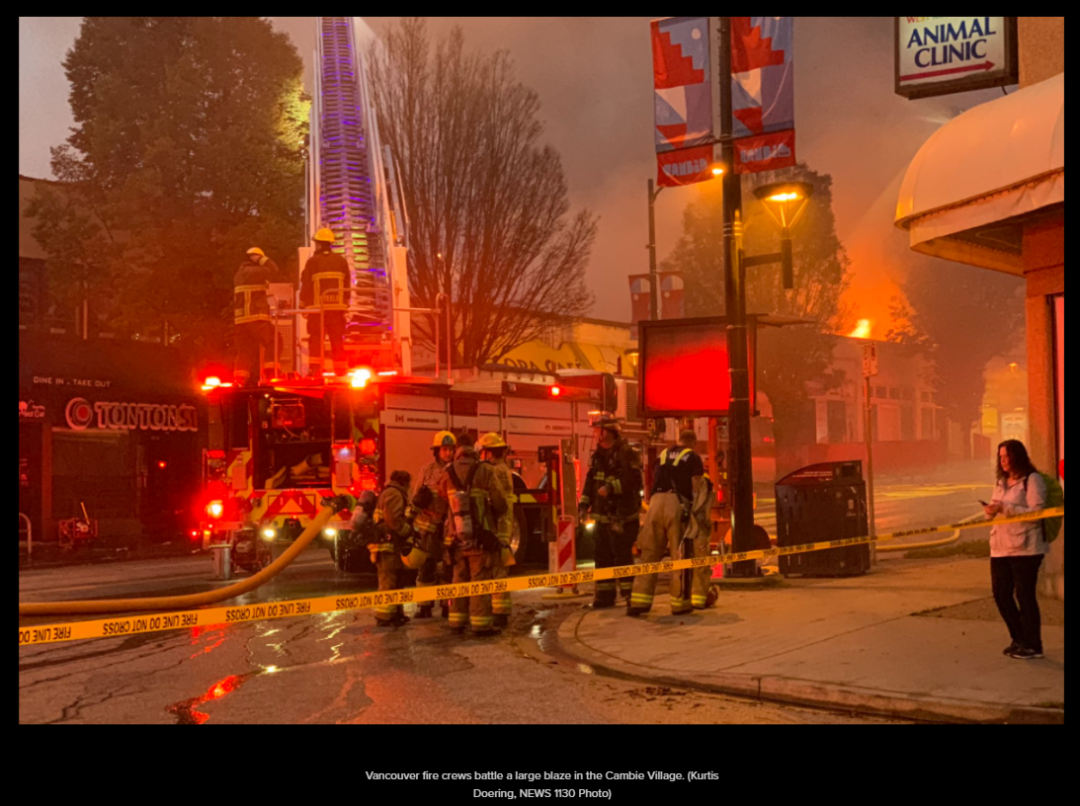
[[1019, 539]]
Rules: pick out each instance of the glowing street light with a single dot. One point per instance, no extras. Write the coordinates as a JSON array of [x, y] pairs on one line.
[[785, 202]]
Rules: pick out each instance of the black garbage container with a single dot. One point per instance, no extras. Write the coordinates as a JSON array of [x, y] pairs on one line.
[[818, 504]]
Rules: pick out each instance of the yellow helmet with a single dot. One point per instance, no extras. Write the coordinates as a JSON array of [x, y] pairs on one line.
[[256, 251], [413, 557], [324, 234], [444, 439], [492, 440]]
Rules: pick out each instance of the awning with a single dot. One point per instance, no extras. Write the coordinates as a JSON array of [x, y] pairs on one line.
[[973, 185]]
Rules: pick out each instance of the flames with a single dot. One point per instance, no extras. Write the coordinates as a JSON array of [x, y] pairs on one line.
[[863, 330]]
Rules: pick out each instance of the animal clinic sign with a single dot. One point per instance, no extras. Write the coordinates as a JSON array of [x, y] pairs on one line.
[[943, 55]]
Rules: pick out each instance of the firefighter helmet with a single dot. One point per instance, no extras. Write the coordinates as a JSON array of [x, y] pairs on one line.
[[413, 557], [491, 441], [602, 419], [325, 234], [256, 251], [444, 439]]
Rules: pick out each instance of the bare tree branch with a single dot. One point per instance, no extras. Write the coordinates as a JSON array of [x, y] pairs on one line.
[[481, 190]]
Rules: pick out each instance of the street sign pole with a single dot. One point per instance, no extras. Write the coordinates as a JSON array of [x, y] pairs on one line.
[[870, 369]]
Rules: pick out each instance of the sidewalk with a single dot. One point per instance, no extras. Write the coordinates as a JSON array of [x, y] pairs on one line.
[[919, 640]]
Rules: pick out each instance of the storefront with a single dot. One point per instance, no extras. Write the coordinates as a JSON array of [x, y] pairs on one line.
[[988, 190], [110, 426]]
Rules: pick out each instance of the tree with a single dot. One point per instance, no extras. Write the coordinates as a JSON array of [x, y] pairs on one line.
[[966, 316], [487, 202], [188, 148], [792, 358]]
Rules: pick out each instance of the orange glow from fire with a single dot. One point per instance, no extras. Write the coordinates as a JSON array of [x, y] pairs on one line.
[[863, 330]]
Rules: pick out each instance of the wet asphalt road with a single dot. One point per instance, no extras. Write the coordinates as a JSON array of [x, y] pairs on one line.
[[340, 668]]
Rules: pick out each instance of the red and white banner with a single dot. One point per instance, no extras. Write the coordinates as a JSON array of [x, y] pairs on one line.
[[765, 152], [687, 166], [682, 70], [763, 93]]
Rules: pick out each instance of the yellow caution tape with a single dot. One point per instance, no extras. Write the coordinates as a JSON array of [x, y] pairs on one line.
[[219, 616]]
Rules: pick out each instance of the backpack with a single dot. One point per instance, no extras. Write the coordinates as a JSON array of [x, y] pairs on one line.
[[1055, 497]]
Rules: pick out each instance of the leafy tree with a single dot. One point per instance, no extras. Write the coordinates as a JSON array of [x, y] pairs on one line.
[[188, 148], [481, 191], [790, 359], [966, 316]]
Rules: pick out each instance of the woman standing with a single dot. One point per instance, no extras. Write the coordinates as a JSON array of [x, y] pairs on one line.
[[1017, 549]]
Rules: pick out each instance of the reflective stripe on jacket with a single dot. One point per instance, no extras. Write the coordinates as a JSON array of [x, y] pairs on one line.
[[325, 282], [249, 291]]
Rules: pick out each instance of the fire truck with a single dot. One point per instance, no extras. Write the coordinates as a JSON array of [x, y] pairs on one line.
[[275, 451]]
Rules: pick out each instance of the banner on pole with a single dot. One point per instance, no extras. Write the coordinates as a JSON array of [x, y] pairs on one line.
[[763, 93], [682, 71]]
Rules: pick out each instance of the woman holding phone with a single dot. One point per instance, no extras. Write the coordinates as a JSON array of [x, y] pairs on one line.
[[1017, 549]]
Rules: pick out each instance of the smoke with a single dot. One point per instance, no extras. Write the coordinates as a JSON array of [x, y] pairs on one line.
[[594, 76]]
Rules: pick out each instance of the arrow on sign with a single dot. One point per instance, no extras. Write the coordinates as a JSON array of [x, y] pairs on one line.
[[987, 65]]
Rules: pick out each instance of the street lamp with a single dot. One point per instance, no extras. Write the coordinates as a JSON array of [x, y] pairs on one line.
[[785, 202], [716, 170]]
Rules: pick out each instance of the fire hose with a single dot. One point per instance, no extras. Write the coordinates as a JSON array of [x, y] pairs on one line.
[[933, 544], [330, 508]]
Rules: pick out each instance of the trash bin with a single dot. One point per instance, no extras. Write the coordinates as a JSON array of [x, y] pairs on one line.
[[222, 556], [818, 504]]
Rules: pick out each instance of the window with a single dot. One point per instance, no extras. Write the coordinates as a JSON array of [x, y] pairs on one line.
[[907, 424], [894, 393], [926, 397], [837, 416], [928, 425]]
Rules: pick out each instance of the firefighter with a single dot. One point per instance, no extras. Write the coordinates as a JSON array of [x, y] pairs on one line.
[[428, 522], [675, 487], [493, 450], [475, 502], [394, 529], [611, 499], [326, 287], [254, 330]]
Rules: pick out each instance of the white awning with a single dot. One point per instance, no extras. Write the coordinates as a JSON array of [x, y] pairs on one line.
[[990, 166]]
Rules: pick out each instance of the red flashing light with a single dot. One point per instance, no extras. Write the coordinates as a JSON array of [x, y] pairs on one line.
[[194, 534], [368, 483], [212, 381], [216, 454], [556, 391], [215, 509], [368, 447], [162, 465]]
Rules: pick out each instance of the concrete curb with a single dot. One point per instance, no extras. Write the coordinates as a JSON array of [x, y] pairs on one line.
[[792, 691]]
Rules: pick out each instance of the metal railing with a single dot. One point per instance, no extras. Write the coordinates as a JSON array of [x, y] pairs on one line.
[[29, 535]]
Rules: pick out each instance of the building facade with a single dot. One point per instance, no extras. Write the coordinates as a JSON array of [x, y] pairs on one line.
[[988, 190]]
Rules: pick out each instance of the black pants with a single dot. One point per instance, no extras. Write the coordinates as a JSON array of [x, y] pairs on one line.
[[614, 548], [1014, 582]]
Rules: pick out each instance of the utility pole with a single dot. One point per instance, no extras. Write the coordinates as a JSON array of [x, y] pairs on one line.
[[740, 465], [654, 280]]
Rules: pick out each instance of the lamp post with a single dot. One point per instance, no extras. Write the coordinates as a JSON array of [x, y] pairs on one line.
[[654, 281], [785, 203], [654, 292]]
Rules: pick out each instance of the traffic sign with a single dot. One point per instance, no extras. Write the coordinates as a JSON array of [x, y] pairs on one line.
[[869, 360]]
